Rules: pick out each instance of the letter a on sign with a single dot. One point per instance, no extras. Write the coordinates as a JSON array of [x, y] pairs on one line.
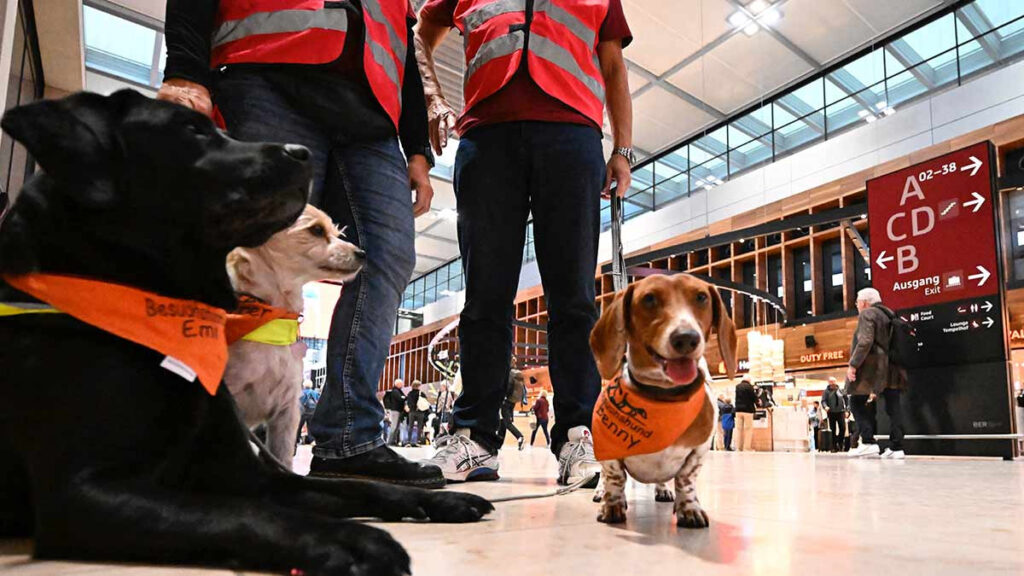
[[911, 188]]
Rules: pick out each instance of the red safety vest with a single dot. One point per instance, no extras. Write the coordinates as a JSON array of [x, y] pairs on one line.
[[560, 43], [313, 32]]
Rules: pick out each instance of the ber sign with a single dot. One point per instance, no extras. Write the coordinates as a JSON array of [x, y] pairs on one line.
[[933, 237]]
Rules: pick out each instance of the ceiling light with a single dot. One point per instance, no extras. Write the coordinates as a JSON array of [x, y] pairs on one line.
[[863, 113], [881, 105], [889, 111], [739, 19], [770, 17], [751, 29], [448, 214], [447, 292], [709, 188], [757, 6], [870, 119], [701, 182]]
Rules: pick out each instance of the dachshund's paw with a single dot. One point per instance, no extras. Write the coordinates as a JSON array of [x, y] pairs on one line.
[[663, 495], [692, 516], [612, 513]]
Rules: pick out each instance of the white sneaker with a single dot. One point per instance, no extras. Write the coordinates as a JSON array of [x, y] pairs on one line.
[[576, 459], [869, 450], [897, 455], [887, 454], [462, 459]]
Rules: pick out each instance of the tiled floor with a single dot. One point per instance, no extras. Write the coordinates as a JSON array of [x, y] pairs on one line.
[[771, 514]]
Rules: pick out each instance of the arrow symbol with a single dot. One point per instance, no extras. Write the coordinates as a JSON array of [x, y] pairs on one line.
[[988, 322], [977, 202], [882, 260], [981, 277], [988, 306], [974, 166]]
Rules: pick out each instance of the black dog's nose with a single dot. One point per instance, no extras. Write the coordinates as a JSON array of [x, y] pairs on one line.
[[360, 254], [684, 341], [300, 153]]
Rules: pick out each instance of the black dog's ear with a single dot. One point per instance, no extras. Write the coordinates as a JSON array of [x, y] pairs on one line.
[[67, 136]]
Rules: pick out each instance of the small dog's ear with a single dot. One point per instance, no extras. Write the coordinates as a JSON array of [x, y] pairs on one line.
[[66, 137], [608, 338], [726, 331]]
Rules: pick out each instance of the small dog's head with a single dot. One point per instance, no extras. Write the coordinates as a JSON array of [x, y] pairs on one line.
[[663, 323], [145, 184], [311, 249]]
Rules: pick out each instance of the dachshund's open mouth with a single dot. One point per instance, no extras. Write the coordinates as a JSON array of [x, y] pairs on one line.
[[681, 371]]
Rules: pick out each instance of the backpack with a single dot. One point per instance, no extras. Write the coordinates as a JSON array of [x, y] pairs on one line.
[[308, 402], [902, 339]]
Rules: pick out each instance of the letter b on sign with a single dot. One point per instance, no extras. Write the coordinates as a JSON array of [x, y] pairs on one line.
[[906, 259]]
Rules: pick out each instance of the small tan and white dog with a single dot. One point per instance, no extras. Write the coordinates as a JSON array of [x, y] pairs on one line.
[[656, 419], [265, 374]]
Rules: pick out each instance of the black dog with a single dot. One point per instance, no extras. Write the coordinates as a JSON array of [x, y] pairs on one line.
[[104, 455]]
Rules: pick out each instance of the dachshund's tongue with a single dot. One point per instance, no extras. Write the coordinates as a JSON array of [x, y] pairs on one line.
[[681, 370]]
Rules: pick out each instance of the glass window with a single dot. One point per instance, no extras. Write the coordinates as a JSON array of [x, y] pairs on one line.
[[672, 164], [832, 267], [118, 46], [671, 189], [933, 43], [1015, 232]]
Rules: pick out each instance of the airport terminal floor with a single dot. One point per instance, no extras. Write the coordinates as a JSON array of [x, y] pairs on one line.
[[771, 513]]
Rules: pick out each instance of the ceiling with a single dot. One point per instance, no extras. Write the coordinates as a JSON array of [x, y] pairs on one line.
[[689, 68]]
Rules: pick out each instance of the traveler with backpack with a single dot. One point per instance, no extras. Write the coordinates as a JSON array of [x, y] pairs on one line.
[[833, 401], [872, 374], [307, 402]]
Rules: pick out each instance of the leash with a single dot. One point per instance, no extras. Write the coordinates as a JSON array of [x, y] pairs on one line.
[[619, 278], [272, 460]]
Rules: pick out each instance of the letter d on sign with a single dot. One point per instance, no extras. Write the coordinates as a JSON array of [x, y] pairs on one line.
[[906, 258]]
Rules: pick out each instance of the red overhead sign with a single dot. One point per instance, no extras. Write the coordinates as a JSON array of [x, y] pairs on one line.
[[932, 227]]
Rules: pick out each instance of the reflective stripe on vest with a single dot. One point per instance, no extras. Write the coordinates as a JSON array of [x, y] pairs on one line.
[[544, 44], [19, 308], [279, 22]]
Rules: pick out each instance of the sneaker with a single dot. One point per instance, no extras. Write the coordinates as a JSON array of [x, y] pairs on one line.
[[381, 464], [521, 444], [576, 459], [898, 455], [869, 450], [462, 459]]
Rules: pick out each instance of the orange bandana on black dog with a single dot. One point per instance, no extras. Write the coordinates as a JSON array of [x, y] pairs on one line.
[[628, 424], [252, 314], [189, 333]]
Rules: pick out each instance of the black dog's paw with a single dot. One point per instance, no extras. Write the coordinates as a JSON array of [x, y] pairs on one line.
[[664, 495], [354, 549], [455, 507]]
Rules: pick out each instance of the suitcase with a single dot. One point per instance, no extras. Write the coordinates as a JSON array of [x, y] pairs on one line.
[[824, 440]]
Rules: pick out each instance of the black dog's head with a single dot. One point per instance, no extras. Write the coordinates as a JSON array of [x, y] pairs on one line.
[[144, 192]]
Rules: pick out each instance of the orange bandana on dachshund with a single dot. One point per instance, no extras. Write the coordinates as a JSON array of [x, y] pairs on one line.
[[252, 314], [628, 424], [189, 333]]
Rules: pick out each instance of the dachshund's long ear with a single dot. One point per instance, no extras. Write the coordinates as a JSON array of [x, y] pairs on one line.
[[608, 338], [726, 331]]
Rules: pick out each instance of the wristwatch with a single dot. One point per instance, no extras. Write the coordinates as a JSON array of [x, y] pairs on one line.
[[626, 153]]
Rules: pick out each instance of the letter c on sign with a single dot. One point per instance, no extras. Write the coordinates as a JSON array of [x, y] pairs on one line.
[[888, 227]]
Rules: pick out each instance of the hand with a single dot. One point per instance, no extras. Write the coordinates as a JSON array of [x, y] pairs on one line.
[[618, 170], [419, 180], [188, 94], [441, 119], [872, 397], [851, 374]]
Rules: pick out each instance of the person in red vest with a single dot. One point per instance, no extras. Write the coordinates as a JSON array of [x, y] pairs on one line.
[[341, 79], [538, 76]]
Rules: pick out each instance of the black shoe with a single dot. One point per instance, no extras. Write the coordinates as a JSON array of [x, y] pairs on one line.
[[382, 464]]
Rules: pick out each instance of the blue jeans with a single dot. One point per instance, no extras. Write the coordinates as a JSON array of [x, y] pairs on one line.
[[364, 186], [503, 172]]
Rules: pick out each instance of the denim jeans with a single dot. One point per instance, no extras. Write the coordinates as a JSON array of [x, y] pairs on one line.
[[503, 172], [364, 186]]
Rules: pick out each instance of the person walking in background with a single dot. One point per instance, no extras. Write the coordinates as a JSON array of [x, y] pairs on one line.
[[870, 371], [343, 82], [515, 394], [719, 443], [540, 412], [394, 403], [814, 422], [307, 402], [833, 402], [746, 401], [727, 421], [443, 408], [537, 78], [417, 415]]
